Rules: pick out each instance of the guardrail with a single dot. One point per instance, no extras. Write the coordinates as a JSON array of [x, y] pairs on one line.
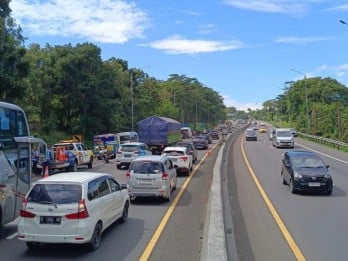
[[326, 141]]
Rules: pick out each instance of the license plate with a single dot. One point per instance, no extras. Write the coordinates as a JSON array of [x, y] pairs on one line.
[[127, 156], [314, 184], [146, 181], [50, 220]]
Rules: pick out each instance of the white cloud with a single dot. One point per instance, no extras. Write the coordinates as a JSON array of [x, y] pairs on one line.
[[300, 40], [333, 71], [297, 7], [104, 21], [229, 102], [179, 45]]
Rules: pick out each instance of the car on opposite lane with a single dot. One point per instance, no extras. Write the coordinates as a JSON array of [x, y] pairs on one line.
[[306, 171], [73, 207]]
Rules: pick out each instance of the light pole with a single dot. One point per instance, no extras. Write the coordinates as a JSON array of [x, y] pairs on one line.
[[132, 95], [305, 83], [288, 94]]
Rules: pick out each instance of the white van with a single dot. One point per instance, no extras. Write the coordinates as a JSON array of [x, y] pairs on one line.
[[186, 133]]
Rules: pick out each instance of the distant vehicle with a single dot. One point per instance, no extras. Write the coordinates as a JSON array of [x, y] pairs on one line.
[[129, 151], [128, 136], [61, 159], [191, 148], [306, 171], [72, 208], [181, 158], [200, 142], [159, 132], [294, 132], [151, 176], [214, 135], [186, 133], [207, 135], [105, 145], [250, 134], [263, 128], [283, 138]]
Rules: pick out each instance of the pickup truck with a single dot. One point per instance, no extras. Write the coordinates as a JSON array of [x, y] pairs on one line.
[[70, 155]]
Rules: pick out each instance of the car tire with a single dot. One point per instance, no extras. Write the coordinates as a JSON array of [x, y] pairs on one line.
[[32, 245], [292, 189], [118, 166], [124, 216], [94, 243], [90, 163], [284, 181], [73, 168], [329, 192]]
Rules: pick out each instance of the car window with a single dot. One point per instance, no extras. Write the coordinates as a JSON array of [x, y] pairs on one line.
[[55, 193], [103, 187], [114, 186], [308, 162], [83, 147], [174, 152], [144, 167]]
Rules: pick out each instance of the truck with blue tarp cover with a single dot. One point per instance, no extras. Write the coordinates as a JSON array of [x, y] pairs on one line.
[[159, 132]]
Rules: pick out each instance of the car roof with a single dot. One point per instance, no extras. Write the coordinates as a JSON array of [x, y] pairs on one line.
[[174, 148], [74, 177], [150, 158], [132, 143]]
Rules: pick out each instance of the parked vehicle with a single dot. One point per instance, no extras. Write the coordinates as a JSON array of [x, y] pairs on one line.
[[191, 148], [306, 171], [200, 142], [151, 176], [250, 134], [159, 132], [63, 160], [72, 208], [129, 151], [181, 158], [283, 138]]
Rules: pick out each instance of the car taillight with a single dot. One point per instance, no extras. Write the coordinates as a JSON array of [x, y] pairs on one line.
[[23, 212], [184, 158], [128, 174], [81, 213], [164, 176], [136, 152]]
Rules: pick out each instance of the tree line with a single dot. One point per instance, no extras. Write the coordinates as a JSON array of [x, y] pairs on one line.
[[70, 89]]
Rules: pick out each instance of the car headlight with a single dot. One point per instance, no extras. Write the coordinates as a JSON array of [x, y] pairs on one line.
[[297, 175]]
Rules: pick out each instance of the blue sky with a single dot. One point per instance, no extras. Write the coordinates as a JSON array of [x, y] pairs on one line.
[[244, 49]]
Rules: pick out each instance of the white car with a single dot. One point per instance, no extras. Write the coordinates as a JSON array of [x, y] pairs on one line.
[[72, 208], [181, 157]]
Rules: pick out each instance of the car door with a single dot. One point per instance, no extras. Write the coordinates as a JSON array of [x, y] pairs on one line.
[[286, 169], [85, 153], [117, 199], [171, 172], [105, 200]]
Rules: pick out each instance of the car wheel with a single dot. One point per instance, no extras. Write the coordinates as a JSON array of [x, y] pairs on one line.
[[329, 192], [73, 168], [32, 245], [292, 189], [94, 243], [124, 216], [169, 198], [284, 181], [90, 163]]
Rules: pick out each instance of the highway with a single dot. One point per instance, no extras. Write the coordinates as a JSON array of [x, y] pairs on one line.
[[263, 220], [269, 222]]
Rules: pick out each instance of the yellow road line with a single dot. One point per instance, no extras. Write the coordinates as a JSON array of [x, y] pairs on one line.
[[295, 249], [154, 239]]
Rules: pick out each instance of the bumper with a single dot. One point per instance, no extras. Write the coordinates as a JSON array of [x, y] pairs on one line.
[[313, 186]]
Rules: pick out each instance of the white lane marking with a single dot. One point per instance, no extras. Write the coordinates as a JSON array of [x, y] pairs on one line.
[[345, 162], [12, 236]]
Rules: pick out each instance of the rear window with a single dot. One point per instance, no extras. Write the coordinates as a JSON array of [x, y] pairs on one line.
[[55, 193], [129, 148], [144, 167], [174, 152]]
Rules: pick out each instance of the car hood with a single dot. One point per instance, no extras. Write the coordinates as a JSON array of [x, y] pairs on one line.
[[313, 171]]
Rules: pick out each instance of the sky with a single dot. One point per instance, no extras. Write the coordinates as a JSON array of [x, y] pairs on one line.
[[245, 50]]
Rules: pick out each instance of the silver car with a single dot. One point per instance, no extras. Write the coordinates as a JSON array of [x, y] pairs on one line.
[[150, 176]]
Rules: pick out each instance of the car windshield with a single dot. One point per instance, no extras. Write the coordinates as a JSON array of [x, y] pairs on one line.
[[284, 134], [55, 193], [145, 167], [308, 162]]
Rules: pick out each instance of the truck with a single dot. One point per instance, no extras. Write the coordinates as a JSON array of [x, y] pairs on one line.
[[159, 132]]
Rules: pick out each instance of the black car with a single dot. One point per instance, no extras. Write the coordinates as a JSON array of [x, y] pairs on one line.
[[200, 142], [306, 171], [207, 135], [191, 148], [214, 135]]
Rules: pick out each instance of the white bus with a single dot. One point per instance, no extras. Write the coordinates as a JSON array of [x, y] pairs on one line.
[[16, 159]]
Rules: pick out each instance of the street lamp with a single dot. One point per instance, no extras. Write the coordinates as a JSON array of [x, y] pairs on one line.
[[132, 95], [305, 83], [288, 94]]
